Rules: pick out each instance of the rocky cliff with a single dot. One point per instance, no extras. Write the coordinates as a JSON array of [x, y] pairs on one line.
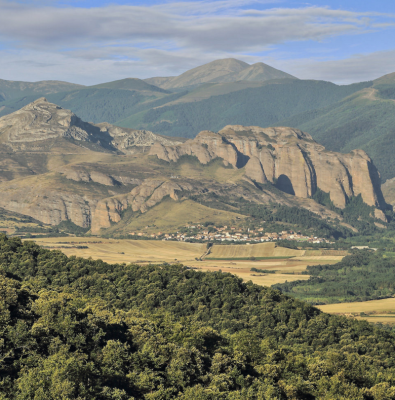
[[288, 158], [56, 167], [41, 120]]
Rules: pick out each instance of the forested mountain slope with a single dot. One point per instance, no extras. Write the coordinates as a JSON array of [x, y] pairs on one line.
[[81, 329], [17, 89], [259, 106], [101, 103], [364, 120]]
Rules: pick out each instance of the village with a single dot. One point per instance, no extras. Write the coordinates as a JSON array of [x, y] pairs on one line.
[[203, 233]]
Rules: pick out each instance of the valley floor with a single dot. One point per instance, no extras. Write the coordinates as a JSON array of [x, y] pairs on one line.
[[373, 311], [288, 264], [236, 259]]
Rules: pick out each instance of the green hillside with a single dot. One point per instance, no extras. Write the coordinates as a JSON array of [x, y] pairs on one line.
[[261, 106], [364, 120], [361, 276], [73, 328], [15, 89], [129, 84], [98, 105]]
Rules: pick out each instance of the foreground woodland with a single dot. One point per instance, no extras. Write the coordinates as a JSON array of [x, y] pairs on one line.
[[73, 328]]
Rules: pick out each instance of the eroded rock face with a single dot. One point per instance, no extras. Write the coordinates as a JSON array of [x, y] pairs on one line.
[[50, 207], [287, 157], [141, 198], [126, 140], [42, 120], [152, 192]]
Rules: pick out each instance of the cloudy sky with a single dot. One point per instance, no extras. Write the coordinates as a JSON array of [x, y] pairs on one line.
[[89, 42]]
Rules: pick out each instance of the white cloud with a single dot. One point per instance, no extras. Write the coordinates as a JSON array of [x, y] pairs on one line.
[[92, 45], [51, 27], [357, 68]]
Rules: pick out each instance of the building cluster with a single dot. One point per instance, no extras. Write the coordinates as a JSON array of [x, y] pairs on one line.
[[200, 232]]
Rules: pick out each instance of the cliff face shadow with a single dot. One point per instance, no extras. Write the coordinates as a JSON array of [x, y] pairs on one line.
[[376, 180], [285, 184], [242, 159]]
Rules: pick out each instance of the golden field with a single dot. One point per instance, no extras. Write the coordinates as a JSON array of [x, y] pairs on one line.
[[253, 250], [376, 310], [288, 264], [288, 267]]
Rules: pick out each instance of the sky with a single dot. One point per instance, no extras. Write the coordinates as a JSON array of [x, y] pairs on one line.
[[90, 42]]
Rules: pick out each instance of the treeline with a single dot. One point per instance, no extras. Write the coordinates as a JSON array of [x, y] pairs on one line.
[[73, 328], [364, 275], [261, 106]]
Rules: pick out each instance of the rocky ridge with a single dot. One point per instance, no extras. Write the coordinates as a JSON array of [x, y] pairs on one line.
[[288, 158], [93, 188], [41, 120], [126, 140]]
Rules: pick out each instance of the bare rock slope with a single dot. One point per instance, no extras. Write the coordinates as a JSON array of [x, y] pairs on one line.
[[288, 158], [41, 120], [91, 174]]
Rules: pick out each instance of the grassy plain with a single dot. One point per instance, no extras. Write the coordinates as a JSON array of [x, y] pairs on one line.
[[287, 268], [259, 250], [376, 310], [288, 264], [125, 251]]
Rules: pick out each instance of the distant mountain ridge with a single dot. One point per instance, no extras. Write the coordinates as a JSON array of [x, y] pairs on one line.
[[226, 70], [15, 89], [232, 92]]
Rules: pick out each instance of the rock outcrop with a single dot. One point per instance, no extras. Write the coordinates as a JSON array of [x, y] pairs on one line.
[[79, 174], [41, 120], [85, 179], [126, 140], [288, 158], [50, 207], [141, 198]]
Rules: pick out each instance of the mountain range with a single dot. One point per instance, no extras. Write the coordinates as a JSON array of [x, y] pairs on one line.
[[232, 92], [131, 115], [112, 180]]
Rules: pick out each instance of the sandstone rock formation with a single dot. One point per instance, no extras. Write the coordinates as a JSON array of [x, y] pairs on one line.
[[85, 179], [126, 140], [142, 197], [152, 192], [50, 207], [287, 157], [79, 174], [42, 120]]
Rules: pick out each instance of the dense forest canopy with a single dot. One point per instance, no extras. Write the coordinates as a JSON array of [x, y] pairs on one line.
[[362, 276], [73, 328]]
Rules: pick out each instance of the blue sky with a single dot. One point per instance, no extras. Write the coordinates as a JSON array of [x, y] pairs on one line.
[[89, 42]]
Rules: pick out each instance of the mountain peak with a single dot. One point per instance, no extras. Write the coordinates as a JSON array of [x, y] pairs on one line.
[[210, 72], [223, 70]]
